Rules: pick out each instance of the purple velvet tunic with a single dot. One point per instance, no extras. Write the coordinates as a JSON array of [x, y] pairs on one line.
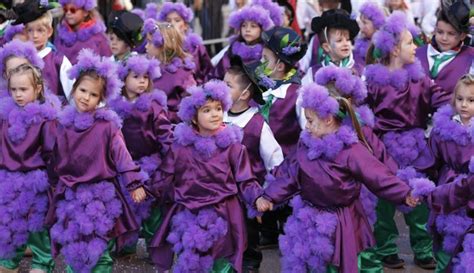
[[193, 44], [450, 74], [206, 173], [315, 51], [90, 36], [90, 149], [284, 122], [174, 83], [52, 67], [251, 140], [331, 184]]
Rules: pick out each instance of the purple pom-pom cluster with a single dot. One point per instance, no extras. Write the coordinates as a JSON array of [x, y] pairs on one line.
[[176, 63], [150, 27], [308, 243], [199, 95], [379, 75], [329, 145], [464, 261], [84, 219], [251, 13], [181, 9], [349, 85], [374, 13], [13, 30], [452, 227], [20, 49], [141, 65], [151, 11], [23, 207], [82, 4], [405, 147], [421, 187], [449, 130], [317, 98], [247, 53], [104, 67], [276, 12], [193, 236], [290, 50], [388, 36]]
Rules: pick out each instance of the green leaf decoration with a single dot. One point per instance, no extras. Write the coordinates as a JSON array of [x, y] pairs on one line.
[[284, 40]]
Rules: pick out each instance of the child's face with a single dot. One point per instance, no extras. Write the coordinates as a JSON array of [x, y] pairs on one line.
[[74, 16], [235, 89], [13, 63], [177, 21], [151, 50], [250, 31], [118, 46], [135, 84], [464, 102], [316, 126], [209, 117], [22, 89], [339, 45], [87, 94], [38, 33], [446, 36], [407, 48], [366, 27], [272, 61]]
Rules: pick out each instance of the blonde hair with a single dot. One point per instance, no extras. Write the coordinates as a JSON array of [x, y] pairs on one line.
[[172, 43], [45, 20], [465, 81], [35, 76]]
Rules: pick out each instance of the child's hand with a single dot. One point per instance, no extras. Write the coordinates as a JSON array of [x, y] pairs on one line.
[[138, 195], [412, 201], [263, 204]]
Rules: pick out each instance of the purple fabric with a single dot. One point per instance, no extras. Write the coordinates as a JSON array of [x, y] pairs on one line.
[[206, 173], [349, 85], [84, 4], [181, 9], [12, 30], [361, 45], [150, 27], [388, 36], [328, 146], [70, 43], [246, 52], [251, 140], [332, 185], [276, 12], [315, 52], [193, 44], [51, 70], [20, 49], [317, 98], [407, 147], [374, 13], [151, 11], [454, 70], [252, 13], [402, 99], [464, 262], [140, 65]]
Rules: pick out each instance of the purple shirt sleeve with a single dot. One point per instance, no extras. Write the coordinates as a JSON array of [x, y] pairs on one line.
[[163, 129], [285, 183], [249, 188], [451, 196]]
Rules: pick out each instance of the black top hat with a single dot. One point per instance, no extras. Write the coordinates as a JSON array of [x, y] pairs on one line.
[[127, 26], [29, 11], [458, 15], [335, 18], [285, 43], [249, 70]]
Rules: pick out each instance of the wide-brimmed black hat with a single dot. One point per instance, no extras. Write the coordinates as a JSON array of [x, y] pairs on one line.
[[285, 43], [29, 11], [458, 15], [249, 70], [335, 18], [127, 26]]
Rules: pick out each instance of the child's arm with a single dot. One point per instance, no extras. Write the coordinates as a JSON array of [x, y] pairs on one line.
[[439, 96], [163, 129], [284, 184], [449, 197], [270, 150]]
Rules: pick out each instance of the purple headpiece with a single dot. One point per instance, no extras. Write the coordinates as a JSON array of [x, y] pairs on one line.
[[251, 13], [388, 36], [183, 11], [374, 13], [151, 11], [275, 10], [317, 98], [141, 65], [13, 30], [150, 27], [212, 90], [18, 48], [349, 85], [82, 4], [104, 67]]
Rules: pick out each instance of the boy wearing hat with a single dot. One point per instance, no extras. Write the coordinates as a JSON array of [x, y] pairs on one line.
[[124, 33], [336, 32], [447, 58], [38, 23]]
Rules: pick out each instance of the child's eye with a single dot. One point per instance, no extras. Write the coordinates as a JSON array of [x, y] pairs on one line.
[[94, 95]]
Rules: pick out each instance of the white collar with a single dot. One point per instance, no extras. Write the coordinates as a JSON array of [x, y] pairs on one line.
[[457, 118], [242, 119], [280, 92], [434, 52], [45, 51]]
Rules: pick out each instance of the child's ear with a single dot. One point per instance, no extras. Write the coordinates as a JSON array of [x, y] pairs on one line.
[[49, 32], [245, 95], [326, 47]]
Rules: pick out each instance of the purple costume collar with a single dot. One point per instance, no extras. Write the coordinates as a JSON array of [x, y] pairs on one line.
[[124, 107], [380, 76], [83, 121], [69, 37], [247, 52], [450, 130], [330, 145]]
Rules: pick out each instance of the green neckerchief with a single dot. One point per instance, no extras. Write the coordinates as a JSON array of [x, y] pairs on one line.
[[438, 60], [265, 109], [344, 62]]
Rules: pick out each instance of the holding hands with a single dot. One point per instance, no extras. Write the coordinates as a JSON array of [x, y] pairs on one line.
[[412, 201], [138, 195], [263, 204]]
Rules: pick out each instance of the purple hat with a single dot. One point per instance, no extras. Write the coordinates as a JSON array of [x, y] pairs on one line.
[[317, 98], [374, 13], [212, 90], [141, 65], [18, 48], [252, 13], [150, 27], [82, 4], [151, 11], [183, 11], [349, 85], [275, 10], [104, 67], [388, 36], [13, 30]]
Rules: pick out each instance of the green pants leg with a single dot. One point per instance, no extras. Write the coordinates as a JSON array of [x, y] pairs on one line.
[[222, 266], [40, 245], [443, 260], [105, 263], [332, 269], [386, 231], [369, 262]]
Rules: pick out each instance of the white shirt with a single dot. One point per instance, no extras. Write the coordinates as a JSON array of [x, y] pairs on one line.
[[66, 83], [280, 93], [432, 52]]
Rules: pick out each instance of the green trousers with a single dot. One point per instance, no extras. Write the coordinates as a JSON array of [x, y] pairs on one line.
[[40, 245], [332, 269], [148, 229], [370, 262], [222, 266], [386, 231], [443, 259], [105, 263]]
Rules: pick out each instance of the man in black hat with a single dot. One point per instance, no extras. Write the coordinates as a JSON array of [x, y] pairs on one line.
[[124, 30]]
